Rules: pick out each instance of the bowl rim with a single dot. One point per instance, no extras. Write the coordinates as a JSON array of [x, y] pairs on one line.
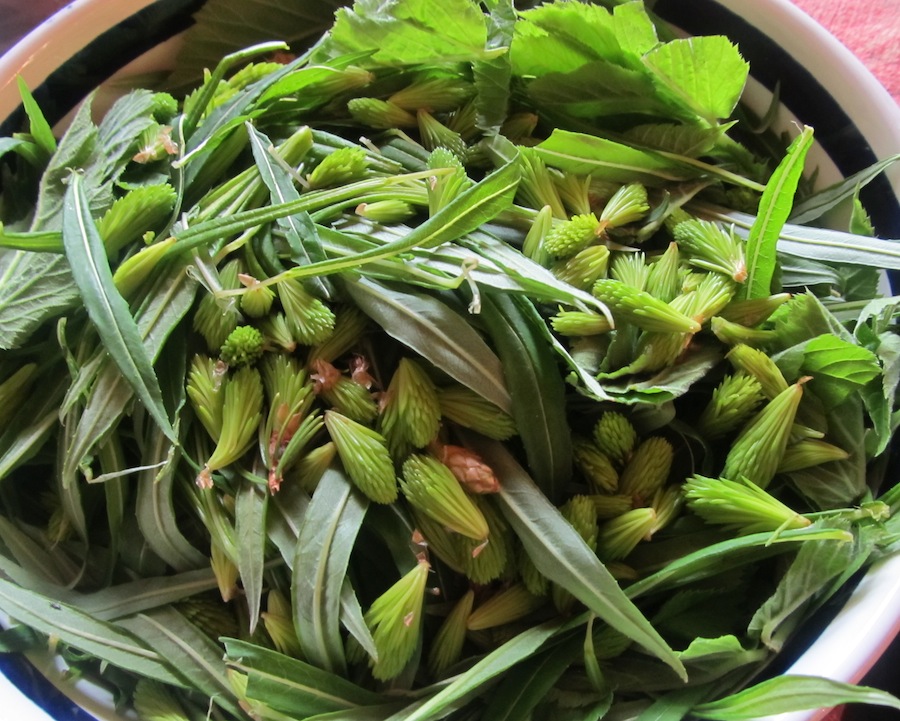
[[844, 653]]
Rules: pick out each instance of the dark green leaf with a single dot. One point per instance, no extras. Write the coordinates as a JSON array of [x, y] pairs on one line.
[[250, 507], [492, 77], [536, 388], [327, 535], [437, 332], [559, 552], [107, 309], [294, 687], [75, 628], [474, 680]]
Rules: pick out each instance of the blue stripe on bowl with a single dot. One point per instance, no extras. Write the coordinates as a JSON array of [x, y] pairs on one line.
[[800, 92]]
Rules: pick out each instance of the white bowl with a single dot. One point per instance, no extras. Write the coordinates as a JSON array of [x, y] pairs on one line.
[[822, 84]]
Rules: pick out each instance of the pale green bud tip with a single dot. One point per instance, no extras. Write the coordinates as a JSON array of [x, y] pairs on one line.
[[615, 436], [611, 505], [580, 323], [309, 319], [742, 506], [733, 333], [619, 536], [446, 648], [648, 469], [808, 453], [507, 606], [753, 311], [380, 114], [241, 416], [243, 346], [365, 457], [759, 365], [225, 571], [257, 300], [437, 95], [642, 309], [732, 403], [585, 267], [596, 466], [280, 625], [387, 212], [430, 486], [140, 210], [535, 581], [411, 411], [711, 247], [582, 514], [465, 407], [758, 450], [204, 385], [435, 134], [571, 236], [338, 168], [627, 205], [395, 619], [154, 701]]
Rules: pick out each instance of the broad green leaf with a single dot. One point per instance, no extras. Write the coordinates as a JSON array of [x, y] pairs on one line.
[[608, 160], [404, 32], [294, 687], [250, 509], [559, 552], [474, 680], [287, 509], [437, 332], [783, 694], [119, 132], [492, 76], [107, 309], [774, 209], [80, 630], [706, 73], [536, 388], [327, 535]]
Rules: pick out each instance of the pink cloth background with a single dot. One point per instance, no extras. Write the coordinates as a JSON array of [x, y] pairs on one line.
[[870, 28]]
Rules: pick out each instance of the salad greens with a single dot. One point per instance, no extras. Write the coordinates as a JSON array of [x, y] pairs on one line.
[[473, 363]]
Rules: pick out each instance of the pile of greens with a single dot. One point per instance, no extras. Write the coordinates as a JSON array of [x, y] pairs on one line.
[[476, 363]]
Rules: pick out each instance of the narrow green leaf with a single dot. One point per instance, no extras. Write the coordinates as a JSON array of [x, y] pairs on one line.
[[608, 160], [107, 309], [353, 620], [474, 680], [39, 128], [783, 694], [32, 426], [296, 227], [437, 332], [80, 630], [536, 388], [186, 648], [251, 504], [154, 507], [38, 241], [144, 594], [327, 535], [492, 77], [294, 687], [816, 205], [559, 552], [774, 209], [525, 686], [475, 206]]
